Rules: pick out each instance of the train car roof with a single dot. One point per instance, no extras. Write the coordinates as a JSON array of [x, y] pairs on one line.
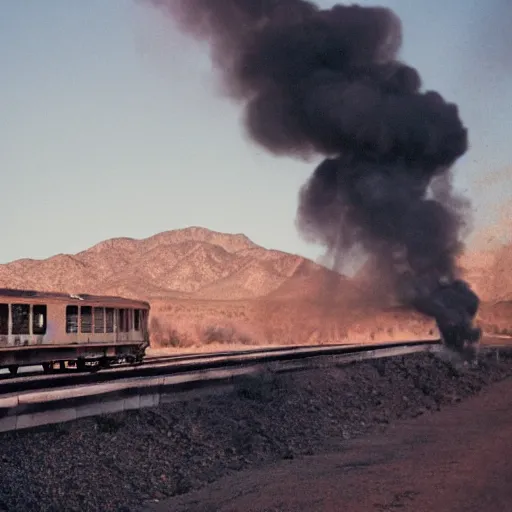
[[69, 297]]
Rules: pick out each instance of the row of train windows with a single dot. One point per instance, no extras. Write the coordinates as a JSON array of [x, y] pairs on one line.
[[100, 320], [20, 314], [92, 319]]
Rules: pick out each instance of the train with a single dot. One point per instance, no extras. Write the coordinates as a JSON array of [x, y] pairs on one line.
[[80, 331]]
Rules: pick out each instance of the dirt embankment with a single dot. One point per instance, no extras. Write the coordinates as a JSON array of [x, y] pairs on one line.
[[124, 460]]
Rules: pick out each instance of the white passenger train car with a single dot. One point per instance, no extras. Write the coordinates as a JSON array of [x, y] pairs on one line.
[[70, 330]]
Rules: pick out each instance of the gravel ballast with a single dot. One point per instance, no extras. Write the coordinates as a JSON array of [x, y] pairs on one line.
[[120, 461]]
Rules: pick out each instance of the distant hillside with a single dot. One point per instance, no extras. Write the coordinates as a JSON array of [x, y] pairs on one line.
[[193, 263]]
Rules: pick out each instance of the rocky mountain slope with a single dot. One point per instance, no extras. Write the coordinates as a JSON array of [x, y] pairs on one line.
[[193, 263]]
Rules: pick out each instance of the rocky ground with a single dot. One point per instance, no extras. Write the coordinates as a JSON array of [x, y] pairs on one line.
[[122, 461]]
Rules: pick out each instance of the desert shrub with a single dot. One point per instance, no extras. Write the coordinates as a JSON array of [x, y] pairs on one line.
[[226, 334], [155, 331], [245, 339], [216, 334], [171, 338], [167, 336], [491, 328]]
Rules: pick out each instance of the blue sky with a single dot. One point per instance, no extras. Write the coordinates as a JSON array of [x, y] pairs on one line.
[[111, 124]]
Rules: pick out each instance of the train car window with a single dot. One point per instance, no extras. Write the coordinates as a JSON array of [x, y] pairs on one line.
[[4, 318], [136, 319], [99, 320], [20, 318], [109, 320], [72, 319], [86, 319], [39, 319], [123, 324], [129, 319], [143, 319]]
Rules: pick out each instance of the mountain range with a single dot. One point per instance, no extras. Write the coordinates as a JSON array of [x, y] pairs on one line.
[[193, 263], [194, 273]]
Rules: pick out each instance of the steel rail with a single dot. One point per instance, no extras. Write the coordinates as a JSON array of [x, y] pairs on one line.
[[152, 359]]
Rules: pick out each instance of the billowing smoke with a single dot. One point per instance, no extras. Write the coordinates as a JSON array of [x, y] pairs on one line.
[[327, 82]]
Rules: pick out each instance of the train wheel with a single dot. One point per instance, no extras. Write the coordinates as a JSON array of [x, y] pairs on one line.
[[13, 369], [96, 367], [104, 363]]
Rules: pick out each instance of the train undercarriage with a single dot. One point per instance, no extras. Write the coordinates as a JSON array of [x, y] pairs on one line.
[[81, 358]]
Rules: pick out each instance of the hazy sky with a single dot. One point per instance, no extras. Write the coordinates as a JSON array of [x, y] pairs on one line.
[[111, 124]]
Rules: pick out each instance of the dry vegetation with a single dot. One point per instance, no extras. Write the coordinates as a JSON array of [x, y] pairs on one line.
[[210, 289], [496, 318], [185, 323]]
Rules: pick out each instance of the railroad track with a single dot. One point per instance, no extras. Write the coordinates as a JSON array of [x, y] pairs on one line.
[[37, 370], [169, 365], [27, 402]]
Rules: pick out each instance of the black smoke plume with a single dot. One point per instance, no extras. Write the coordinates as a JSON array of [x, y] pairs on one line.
[[328, 81]]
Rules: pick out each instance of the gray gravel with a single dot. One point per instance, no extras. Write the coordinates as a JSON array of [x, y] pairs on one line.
[[121, 461]]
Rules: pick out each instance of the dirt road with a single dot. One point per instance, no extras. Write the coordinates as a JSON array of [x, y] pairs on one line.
[[458, 459]]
